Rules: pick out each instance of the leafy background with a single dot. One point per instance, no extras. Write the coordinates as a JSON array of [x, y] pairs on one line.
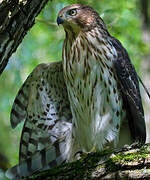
[[44, 44]]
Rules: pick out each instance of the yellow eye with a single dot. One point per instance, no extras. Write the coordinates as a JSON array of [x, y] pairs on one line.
[[72, 12]]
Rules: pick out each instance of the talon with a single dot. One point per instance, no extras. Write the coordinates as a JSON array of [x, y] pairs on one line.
[[78, 154]]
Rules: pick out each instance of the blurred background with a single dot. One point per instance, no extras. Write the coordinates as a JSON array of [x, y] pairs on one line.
[[127, 20]]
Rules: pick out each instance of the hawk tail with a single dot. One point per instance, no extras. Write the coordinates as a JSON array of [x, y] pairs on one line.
[[42, 160]]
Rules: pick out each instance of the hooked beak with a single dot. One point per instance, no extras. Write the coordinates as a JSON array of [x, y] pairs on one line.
[[59, 20]]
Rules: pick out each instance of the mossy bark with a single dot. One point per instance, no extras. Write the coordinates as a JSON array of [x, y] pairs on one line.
[[132, 162], [16, 18]]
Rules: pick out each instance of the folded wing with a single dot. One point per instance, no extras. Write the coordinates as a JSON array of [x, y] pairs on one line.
[[128, 81]]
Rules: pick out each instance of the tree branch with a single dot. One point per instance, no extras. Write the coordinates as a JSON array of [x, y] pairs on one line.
[[16, 18], [127, 163]]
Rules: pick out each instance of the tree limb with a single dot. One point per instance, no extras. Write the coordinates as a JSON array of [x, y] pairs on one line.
[[16, 18], [127, 163]]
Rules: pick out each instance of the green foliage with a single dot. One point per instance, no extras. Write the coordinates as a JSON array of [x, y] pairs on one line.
[[44, 44]]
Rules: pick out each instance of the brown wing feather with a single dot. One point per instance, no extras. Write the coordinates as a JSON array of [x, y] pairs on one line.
[[128, 80]]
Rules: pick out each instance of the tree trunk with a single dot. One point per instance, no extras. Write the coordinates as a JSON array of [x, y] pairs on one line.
[[131, 162], [16, 18], [144, 11]]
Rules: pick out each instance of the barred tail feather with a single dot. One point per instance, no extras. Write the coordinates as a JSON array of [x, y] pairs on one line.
[[45, 159], [18, 112]]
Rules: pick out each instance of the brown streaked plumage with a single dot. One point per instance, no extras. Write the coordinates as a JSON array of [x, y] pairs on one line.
[[106, 55], [89, 100]]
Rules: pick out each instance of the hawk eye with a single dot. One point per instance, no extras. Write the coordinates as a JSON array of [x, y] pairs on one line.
[[72, 12]]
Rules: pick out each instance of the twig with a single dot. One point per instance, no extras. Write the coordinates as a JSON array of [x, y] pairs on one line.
[[144, 87], [47, 22]]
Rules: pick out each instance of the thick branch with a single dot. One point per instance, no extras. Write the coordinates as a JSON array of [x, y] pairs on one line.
[[128, 163], [16, 18]]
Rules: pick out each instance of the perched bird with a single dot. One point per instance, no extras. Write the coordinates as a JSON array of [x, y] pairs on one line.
[[102, 83], [86, 102]]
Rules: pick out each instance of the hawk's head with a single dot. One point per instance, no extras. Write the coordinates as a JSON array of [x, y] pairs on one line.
[[78, 17]]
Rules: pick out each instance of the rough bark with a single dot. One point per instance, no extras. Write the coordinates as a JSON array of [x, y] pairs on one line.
[[128, 163], [16, 18]]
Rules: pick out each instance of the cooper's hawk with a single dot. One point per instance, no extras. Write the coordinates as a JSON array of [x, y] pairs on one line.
[[88, 101]]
